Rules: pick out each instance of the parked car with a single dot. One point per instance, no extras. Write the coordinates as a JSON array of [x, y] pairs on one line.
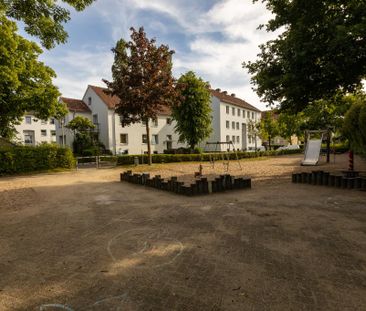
[[289, 147]]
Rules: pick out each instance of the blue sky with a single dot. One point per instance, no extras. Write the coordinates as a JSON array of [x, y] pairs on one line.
[[210, 37]]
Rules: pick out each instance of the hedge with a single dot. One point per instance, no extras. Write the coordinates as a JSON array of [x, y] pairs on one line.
[[170, 158], [21, 159]]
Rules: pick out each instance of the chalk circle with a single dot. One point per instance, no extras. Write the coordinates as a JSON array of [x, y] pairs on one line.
[[115, 303], [54, 306], [139, 248]]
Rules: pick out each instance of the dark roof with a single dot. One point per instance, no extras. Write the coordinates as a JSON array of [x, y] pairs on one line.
[[232, 99], [112, 101], [76, 105]]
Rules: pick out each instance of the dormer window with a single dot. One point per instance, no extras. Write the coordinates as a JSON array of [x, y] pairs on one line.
[[89, 101]]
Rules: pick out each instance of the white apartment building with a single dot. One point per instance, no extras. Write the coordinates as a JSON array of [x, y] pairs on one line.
[[99, 108], [33, 131], [230, 119]]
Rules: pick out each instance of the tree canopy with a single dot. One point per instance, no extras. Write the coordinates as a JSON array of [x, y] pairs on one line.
[[43, 18], [321, 51], [142, 79], [268, 128], [25, 83], [193, 111], [80, 124]]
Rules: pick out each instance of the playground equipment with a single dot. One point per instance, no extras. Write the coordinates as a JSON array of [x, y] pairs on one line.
[[313, 147], [216, 153]]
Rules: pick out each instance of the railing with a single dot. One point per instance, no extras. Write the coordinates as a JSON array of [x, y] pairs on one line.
[[96, 161]]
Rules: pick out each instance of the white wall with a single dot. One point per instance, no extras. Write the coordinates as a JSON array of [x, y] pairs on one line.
[[135, 131], [36, 127]]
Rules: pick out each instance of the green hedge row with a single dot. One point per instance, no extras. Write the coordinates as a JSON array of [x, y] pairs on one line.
[[170, 158], [22, 159]]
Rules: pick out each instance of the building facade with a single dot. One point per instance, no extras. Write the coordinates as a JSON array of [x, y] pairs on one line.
[[230, 119], [33, 131]]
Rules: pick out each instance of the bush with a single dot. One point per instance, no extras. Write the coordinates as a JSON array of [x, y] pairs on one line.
[[170, 158], [21, 159]]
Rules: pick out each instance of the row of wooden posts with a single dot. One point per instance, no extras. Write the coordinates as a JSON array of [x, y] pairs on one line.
[[201, 185], [345, 180]]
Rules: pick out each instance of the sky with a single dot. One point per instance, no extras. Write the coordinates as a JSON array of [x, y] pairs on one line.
[[210, 37]]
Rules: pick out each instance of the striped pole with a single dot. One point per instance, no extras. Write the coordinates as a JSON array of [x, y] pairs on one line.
[[350, 161]]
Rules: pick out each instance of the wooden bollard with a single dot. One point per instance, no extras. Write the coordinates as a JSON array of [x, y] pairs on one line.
[[358, 183], [325, 179], [294, 177], [304, 177], [338, 181], [332, 179]]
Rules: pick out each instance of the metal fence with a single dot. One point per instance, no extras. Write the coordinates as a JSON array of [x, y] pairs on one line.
[[96, 162]]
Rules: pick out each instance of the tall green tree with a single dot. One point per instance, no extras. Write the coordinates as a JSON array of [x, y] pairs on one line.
[[25, 83], [193, 111], [142, 79], [43, 18], [268, 128], [354, 126], [321, 51]]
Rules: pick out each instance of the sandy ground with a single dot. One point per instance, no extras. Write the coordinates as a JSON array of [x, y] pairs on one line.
[[85, 241]]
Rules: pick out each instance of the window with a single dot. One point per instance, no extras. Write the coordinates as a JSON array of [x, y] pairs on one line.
[[28, 137], [250, 139], [43, 132], [238, 139], [227, 124], [252, 115], [248, 114], [123, 138], [227, 138], [44, 122], [239, 112], [243, 113], [52, 121], [155, 139], [233, 111], [169, 137], [169, 121], [144, 139], [233, 139], [227, 109], [95, 119], [237, 125], [89, 101], [155, 123], [53, 133], [28, 120], [233, 125]]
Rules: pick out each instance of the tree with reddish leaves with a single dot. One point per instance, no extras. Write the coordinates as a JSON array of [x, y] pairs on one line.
[[142, 79]]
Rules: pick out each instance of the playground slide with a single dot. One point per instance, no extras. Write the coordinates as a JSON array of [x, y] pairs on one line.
[[312, 152]]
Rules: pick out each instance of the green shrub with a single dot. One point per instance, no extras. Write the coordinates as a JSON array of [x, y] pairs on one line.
[[170, 158], [21, 159]]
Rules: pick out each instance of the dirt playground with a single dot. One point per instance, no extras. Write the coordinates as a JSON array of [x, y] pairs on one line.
[[82, 240]]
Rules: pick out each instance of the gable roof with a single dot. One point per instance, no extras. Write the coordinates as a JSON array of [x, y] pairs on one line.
[[76, 105], [112, 101], [232, 99]]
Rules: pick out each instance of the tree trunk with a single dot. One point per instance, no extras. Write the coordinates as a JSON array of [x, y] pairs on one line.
[[328, 147], [269, 143], [149, 157]]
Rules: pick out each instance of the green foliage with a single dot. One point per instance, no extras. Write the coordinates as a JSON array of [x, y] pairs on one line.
[[354, 127], [25, 83], [21, 159], [171, 158], [321, 51], [268, 128], [43, 18], [80, 124], [142, 79], [193, 111], [289, 125]]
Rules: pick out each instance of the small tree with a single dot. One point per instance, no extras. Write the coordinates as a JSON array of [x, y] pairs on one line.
[[268, 127], [84, 138], [254, 131], [193, 111], [142, 79], [289, 124]]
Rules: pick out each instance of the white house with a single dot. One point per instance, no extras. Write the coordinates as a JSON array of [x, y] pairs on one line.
[[230, 119], [99, 107], [33, 131]]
